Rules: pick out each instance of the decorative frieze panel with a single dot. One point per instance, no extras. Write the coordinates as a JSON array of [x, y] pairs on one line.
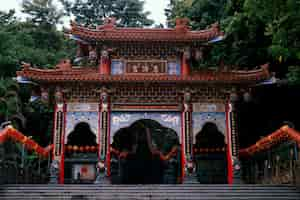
[[153, 94], [84, 93], [156, 50], [83, 107], [209, 94], [208, 107], [140, 93], [144, 67], [149, 107]]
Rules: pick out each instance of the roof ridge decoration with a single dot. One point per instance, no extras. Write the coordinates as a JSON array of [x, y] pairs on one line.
[[182, 24], [110, 32]]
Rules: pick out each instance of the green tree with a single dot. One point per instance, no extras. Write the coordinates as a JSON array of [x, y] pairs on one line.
[[42, 12], [10, 103], [294, 75], [256, 31], [24, 41], [201, 13], [93, 12], [7, 60], [7, 17]]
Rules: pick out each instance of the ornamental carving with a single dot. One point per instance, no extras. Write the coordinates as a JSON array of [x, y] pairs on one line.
[[59, 95], [44, 95]]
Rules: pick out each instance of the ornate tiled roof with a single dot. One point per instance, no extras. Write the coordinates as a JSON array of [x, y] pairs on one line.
[[109, 32], [92, 75]]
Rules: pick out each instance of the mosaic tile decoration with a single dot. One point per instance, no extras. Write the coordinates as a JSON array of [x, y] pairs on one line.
[[124, 119], [74, 117]]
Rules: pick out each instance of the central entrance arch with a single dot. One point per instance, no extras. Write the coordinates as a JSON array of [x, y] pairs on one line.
[[145, 152]]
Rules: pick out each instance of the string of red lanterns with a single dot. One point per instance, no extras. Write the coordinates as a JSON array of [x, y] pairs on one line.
[[163, 157], [81, 149], [285, 133], [208, 150], [13, 134]]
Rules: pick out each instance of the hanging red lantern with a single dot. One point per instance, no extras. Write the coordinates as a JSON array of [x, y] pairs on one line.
[[3, 137], [39, 150], [30, 143], [81, 149], [75, 148], [87, 148], [93, 148], [70, 148]]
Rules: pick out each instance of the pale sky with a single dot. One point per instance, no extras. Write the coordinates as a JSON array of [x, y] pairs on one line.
[[156, 7]]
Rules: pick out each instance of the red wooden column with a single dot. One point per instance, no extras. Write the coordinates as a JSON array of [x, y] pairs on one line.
[[185, 68], [62, 161], [182, 148], [104, 152], [236, 165], [57, 165], [104, 67], [228, 148], [186, 137]]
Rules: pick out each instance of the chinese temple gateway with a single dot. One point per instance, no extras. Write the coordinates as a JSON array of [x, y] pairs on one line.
[[130, 108]]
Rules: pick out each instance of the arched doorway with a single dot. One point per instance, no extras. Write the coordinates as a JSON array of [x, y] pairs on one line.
[[82, 135], [80, 155], [145, 153], [210, 155]]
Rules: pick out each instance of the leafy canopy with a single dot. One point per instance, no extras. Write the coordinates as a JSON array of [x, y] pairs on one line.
[[129, 13], [42, 12], [256, 32]]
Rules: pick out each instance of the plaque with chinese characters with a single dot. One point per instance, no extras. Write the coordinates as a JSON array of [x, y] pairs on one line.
[[146, 67]]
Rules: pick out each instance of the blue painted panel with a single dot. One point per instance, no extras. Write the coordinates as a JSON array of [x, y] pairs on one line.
[[200, 118], [124, 119], [174, 68], [117, 67]]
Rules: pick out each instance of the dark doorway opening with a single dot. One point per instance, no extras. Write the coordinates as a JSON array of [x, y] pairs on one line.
[[142, 148], [211, 159], [81, 155], [82, 135]]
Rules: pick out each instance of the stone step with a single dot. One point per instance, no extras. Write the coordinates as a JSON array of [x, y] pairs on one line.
[[147, 192]]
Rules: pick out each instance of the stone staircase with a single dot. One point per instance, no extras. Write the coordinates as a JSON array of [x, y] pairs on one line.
[[147, 192]]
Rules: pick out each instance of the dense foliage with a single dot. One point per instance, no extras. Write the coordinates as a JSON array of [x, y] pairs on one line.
[[42, 12], [256, 32], [129, 13], [25, 41], [10, 102]]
